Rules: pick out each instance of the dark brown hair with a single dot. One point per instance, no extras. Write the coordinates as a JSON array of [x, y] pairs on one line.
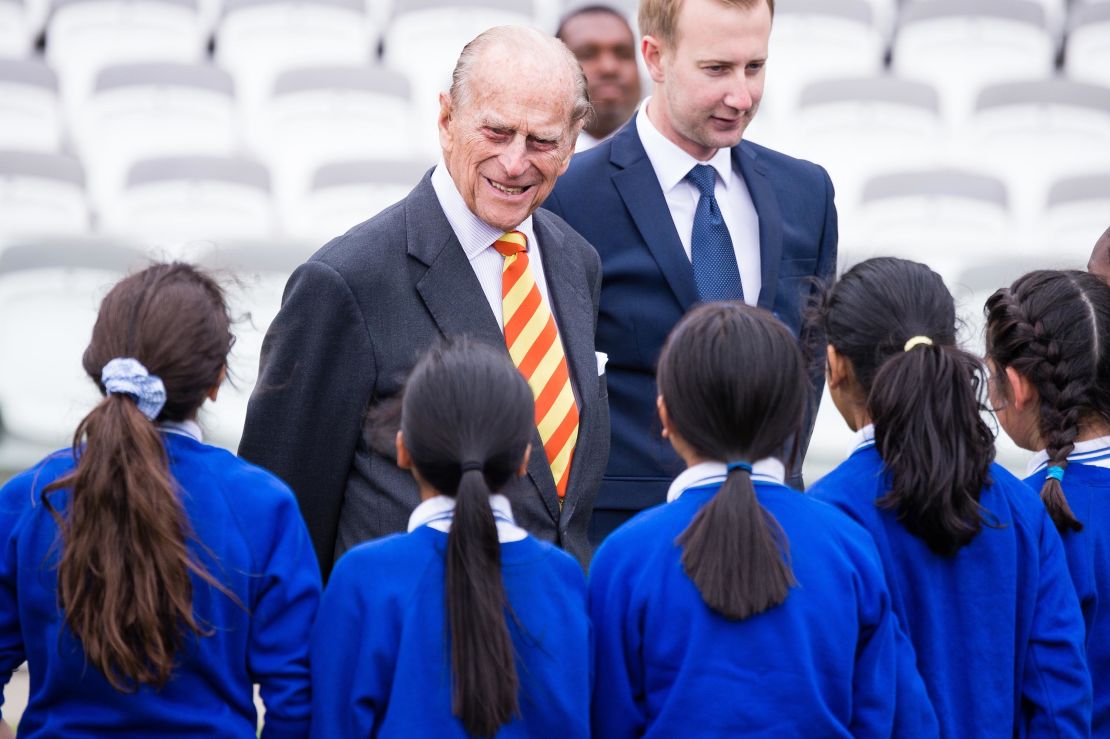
[[925, 402], [1052, 328], [124, 573], [467, 417], [733, 384]]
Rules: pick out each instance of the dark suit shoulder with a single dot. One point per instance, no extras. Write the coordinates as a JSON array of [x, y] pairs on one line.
[[377, 238]]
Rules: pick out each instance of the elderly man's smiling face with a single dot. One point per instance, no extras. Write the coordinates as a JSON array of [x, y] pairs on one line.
[[510, 136]]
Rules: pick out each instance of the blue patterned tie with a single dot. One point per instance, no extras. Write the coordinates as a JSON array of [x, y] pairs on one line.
[[715, 270]]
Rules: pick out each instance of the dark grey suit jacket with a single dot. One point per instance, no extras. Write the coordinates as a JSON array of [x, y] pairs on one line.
[[355, 318]]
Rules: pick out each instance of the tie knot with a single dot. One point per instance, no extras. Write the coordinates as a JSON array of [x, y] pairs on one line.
[[511, 242], [704, 178]]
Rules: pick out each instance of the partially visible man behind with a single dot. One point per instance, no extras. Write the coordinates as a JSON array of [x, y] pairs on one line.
[[358, 314], [603, 42], [1099, 263]]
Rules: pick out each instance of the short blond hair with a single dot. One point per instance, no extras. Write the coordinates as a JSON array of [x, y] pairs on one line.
[[659, 18]]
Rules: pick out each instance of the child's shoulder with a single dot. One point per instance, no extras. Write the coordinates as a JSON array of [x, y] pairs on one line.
[[250, 489]]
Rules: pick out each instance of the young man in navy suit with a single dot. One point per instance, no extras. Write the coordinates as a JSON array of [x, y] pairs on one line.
[[682, 210]]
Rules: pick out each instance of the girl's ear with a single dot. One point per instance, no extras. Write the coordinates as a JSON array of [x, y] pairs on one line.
[[1022, 392], [524, 462], [661, 407], [404, 461], [838, 369], [215, 389]]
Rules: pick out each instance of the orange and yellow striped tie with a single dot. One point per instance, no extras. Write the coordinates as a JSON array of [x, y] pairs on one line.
[[534, 345]]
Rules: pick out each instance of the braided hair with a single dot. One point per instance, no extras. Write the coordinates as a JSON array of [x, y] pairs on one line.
[[1053, 327]]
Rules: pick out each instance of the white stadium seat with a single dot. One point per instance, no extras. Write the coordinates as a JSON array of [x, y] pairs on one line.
[[84, 36], [319, 115], [1076, 213], [942, 217], [424, 40], [55, 289], [344, 194], [259, 39], [817, 39], [139, 111], [1087, 55], [1033, 132], [260, 272], [856, 127], [41, 193], [16, 34], [30, 111], [960, 46], [180, 204]]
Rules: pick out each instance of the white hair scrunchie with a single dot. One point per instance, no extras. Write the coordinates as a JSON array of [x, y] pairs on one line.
[[127, 376]]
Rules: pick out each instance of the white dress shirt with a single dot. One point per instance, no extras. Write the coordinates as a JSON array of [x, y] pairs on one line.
[[1094, 452], [585, 141], [711, 473], [438, 512], [477, 237], [671, 165]]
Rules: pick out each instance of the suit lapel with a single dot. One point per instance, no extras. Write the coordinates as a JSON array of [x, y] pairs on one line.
[[449, 288], [766, 204], [638, 186], [574, 315]]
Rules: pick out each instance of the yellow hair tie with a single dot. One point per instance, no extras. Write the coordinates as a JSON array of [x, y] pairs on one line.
[[917, 341]]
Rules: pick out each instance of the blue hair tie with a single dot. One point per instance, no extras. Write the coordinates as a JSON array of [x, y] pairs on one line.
[[746, 466], [1055, 472], [127, 376]]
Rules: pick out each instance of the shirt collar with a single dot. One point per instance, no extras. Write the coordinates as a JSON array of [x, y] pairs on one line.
[[437, 513], [670, 162], [474, 234], [862, 439], [714, 473], [188, 427], [1091, 451]]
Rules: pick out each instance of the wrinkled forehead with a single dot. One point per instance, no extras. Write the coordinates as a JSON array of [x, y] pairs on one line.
[[511, 91]]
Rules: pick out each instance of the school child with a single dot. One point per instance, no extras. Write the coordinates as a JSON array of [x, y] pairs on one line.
[[975, 566], [740, 607], [147, 578], [465, 625], [1048, 344]]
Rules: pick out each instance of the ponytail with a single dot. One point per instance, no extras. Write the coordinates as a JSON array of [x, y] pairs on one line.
[[895, 322], [124, 575], [484, 682], [736, 553], [733, 385], [467, 416], [1052, 327], [934, 443], [123, 578]]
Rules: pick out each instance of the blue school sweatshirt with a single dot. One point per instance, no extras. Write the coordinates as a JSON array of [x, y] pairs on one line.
[[248, 534], [1087, 488], [820, 664], [381, 663], [996, 628]]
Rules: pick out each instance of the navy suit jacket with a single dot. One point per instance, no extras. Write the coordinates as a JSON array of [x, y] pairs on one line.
[[611, 195]]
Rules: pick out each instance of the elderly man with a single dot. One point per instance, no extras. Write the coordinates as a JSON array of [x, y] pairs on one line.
[[683, 210], [603, 42], [356, 316]]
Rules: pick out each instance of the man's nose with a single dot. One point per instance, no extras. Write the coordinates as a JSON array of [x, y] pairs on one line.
[[513, 157], [740, 95]]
